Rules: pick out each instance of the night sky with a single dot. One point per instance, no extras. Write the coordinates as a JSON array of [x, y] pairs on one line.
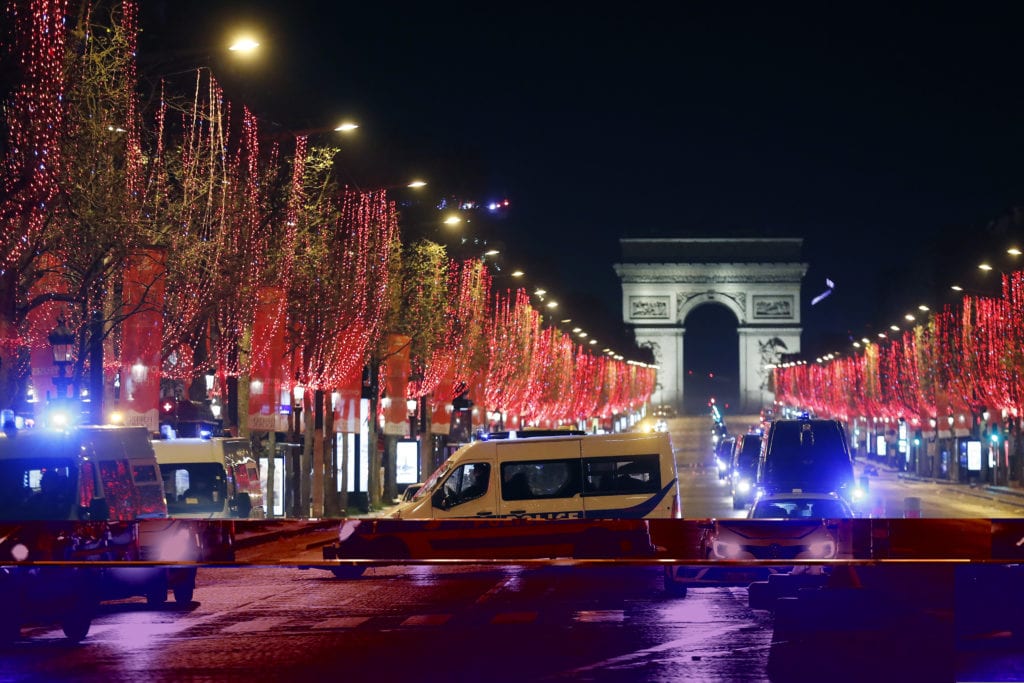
[[890, 141]]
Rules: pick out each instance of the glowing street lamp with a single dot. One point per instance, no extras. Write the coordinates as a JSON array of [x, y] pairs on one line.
[[244, 45]]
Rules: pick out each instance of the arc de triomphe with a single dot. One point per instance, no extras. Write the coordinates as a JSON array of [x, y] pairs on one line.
[[664, 279]]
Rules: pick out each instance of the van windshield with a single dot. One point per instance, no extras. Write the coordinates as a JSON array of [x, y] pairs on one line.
[[38, 489], [199, 487]]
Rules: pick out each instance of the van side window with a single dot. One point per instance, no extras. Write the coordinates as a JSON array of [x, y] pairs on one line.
[[540, 479], [612, 475]]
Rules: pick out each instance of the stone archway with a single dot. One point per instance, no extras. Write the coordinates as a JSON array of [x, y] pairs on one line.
[[663, 279], [710, 357]]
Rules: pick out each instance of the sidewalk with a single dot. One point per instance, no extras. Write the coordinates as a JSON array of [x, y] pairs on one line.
[[1007, 494], [252, 532]]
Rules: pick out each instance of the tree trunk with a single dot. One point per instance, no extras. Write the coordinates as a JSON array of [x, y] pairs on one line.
[[317, 485], [330, 461], [343, 497], [373, 458], [306, 459], [390, 467], [271, 467], [244, 351]]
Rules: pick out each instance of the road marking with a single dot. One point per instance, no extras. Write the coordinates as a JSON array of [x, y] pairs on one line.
[[497, 588], [341, 622], [593, 616], [427, 620]]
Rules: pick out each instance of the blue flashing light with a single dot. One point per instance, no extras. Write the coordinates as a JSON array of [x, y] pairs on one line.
[[205, 433]]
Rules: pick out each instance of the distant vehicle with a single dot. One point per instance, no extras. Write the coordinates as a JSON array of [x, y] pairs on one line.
[[210, 478], [661, 425], [723, 456], [810, 454], [664, 410], [743, 472], [410, 491]]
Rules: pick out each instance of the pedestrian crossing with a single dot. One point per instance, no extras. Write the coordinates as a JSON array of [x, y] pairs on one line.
[[114, 627]]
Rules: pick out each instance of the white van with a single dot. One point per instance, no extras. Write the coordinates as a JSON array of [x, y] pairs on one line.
[[601, 476], [210, 478], [519, 498]]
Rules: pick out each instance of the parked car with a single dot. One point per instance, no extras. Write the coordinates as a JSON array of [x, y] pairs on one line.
[[410, 491]]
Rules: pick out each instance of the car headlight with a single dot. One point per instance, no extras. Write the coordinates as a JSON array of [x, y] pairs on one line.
[[743, 486], [725, 550], [178, 546], [19, 552], [857, 493], [823, 549], [721, 466]]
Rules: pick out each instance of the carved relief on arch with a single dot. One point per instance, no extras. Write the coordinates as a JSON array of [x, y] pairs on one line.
[[655, 348], [734, 301]]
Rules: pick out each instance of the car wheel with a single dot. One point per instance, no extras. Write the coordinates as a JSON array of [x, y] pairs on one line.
[[674, 588]]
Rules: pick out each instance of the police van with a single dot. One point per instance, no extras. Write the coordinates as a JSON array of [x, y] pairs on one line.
[[520, 498], [601, 476], [210, 478], [83, 494]]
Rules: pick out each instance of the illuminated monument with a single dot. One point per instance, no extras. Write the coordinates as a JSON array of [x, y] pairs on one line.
[[757, 279]]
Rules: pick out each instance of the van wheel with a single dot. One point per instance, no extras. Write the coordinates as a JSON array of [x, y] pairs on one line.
[[183, 592], [76, 625], [348, 571], [675, 589], [156, 594]]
